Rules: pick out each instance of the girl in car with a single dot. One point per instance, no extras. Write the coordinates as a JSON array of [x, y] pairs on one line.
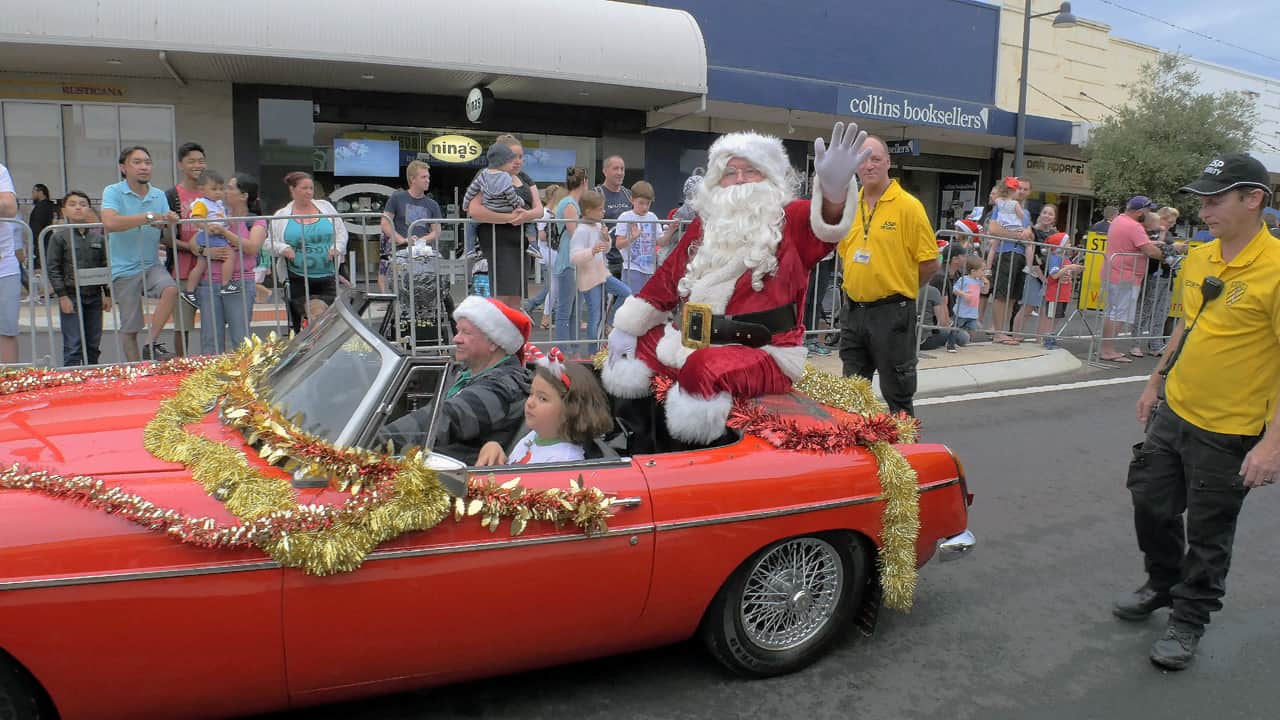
[[566, 410]]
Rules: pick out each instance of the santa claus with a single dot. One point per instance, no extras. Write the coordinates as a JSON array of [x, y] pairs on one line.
[[722, 317]]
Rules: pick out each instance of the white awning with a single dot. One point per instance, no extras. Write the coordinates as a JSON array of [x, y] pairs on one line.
[[588, 52]]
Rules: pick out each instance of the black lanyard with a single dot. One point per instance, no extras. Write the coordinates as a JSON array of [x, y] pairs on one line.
[[867, 219]]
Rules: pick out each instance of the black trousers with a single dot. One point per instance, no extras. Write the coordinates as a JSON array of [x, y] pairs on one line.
[[882, 338], [1182, 469]]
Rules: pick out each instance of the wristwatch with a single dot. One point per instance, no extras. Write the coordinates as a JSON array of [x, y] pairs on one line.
[[151, 217]]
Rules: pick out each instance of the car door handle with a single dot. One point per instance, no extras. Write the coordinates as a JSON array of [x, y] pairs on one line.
[[627, 503]]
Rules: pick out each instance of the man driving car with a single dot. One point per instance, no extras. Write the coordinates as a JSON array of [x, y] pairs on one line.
[[485, 401]]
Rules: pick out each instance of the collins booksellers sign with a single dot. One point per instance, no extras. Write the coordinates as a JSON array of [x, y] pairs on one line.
[[912, 109]]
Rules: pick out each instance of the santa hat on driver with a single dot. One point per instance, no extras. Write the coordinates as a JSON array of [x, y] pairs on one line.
[[507, 328], [766, 153]]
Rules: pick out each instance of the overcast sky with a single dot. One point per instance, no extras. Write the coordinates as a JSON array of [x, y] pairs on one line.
[[1252, 24]]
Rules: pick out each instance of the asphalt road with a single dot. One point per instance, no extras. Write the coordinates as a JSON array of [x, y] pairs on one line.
[[1020, 630]]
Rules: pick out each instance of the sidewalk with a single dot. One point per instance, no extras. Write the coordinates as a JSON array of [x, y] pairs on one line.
[[976, 367]]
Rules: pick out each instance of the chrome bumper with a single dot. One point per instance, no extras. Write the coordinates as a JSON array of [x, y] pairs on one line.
[[956, 546]]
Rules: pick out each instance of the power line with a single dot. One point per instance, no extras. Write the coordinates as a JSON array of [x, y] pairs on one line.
[[1064, 106], [1197, 33], [1094, 99]]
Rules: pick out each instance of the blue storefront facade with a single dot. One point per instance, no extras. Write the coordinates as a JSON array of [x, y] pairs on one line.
[[919, 73]]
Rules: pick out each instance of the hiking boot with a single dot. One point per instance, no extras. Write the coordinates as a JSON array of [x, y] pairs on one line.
[[231, 288], [155, 351], [1175, 650], [1139, 604], [190, 298]]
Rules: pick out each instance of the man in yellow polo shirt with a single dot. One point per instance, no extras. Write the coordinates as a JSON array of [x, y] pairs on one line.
[[1215, 436], [888, 255]]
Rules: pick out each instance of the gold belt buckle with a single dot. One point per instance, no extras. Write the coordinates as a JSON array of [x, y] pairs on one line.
[[695, 325]]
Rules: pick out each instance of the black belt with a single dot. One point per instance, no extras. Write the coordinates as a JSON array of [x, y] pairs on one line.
[[891, 300], [700, 328]]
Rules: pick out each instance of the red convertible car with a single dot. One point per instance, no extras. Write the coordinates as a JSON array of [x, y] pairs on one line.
[[766, 553]]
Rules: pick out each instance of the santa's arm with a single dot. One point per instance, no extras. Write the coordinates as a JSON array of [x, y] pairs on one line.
[[832, 219], [655, 301]]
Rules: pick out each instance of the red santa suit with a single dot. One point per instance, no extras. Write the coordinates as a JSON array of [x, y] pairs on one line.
[[708, 379]]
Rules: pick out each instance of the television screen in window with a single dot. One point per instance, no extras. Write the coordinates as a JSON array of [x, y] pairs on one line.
[[366, 158], [548, 165]]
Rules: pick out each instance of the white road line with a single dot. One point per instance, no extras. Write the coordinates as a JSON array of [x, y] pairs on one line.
[[1014, 392]]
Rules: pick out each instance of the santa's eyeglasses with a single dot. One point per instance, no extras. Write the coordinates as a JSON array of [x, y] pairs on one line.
[[745, 173]]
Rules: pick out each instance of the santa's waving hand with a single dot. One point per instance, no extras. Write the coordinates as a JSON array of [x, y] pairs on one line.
[[722, 315]]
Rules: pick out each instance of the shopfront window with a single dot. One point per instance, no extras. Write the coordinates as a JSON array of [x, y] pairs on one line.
[[75, 146], [33, 145]]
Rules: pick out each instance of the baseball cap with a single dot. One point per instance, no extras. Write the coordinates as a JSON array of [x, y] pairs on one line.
[[953, 250], [1228, 172], [1140, 202]]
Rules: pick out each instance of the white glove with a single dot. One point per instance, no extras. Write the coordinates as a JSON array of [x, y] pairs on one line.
[[622, 344], [835, 166]]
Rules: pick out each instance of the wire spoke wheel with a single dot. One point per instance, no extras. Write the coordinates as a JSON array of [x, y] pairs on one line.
[[791, 593]]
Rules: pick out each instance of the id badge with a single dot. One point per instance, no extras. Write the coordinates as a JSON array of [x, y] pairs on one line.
[[862, 256]]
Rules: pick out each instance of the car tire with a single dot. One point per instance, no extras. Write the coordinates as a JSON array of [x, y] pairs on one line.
[[19, 697], [785, 606]]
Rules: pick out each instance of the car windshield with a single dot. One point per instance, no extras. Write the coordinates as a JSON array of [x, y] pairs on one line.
[[324, 375]]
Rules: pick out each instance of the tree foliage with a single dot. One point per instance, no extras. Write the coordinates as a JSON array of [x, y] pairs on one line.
[[1165, 135]]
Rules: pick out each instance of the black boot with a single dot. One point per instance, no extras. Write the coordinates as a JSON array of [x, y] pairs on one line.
[[1175, 650], [1139, 604]]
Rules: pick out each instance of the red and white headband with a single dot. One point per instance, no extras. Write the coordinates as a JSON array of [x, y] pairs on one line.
[[553, 361]]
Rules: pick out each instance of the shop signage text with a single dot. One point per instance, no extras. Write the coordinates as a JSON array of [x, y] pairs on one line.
[[454, 149], [912, 109], [1050, 174], [58, 90], [903, 147], [479, 104]]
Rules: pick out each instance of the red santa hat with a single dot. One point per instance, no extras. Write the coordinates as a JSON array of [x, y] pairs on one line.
[[765, 152], [968, 227], [507, 328]]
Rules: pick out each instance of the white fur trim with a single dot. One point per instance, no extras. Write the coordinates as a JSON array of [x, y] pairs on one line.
[[671, 350], [765, 152], [627, 378], [637, 316], [715, 288], [832, 233], [694, 419], [490, 321], [790, 360]]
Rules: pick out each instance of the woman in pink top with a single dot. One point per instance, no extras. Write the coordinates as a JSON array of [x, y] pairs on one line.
[[225, 319], [588, 249]]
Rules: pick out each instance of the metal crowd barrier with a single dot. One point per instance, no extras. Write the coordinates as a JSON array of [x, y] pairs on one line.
[[427, 284]]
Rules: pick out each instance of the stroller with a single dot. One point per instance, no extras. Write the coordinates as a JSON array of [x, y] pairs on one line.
[[423, 297]]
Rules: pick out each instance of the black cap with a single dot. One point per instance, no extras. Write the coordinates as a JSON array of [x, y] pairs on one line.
[[953, 250], [1229, 172]]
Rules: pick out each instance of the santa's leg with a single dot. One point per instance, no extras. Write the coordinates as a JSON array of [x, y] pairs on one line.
[[698, 404]]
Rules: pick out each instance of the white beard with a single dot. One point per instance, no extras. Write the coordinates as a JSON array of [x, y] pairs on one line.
[[741, 230]]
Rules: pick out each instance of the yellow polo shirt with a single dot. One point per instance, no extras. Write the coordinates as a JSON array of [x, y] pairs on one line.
[[881, 255], [1228, 375]]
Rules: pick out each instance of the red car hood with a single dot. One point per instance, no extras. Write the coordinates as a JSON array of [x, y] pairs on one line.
[[88, 429]]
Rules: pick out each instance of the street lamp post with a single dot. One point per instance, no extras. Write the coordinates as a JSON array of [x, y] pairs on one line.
[[1064, 19]]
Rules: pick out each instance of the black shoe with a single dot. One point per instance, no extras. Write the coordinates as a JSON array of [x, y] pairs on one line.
[[156, 351], [190, 298], [231, 288], [1141, 603], [1175, 650]]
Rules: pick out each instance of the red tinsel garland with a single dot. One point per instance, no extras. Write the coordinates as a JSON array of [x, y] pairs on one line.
[[787, 434], [33, 379]]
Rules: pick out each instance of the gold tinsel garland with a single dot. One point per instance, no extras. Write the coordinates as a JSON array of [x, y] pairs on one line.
[[900, 520]]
